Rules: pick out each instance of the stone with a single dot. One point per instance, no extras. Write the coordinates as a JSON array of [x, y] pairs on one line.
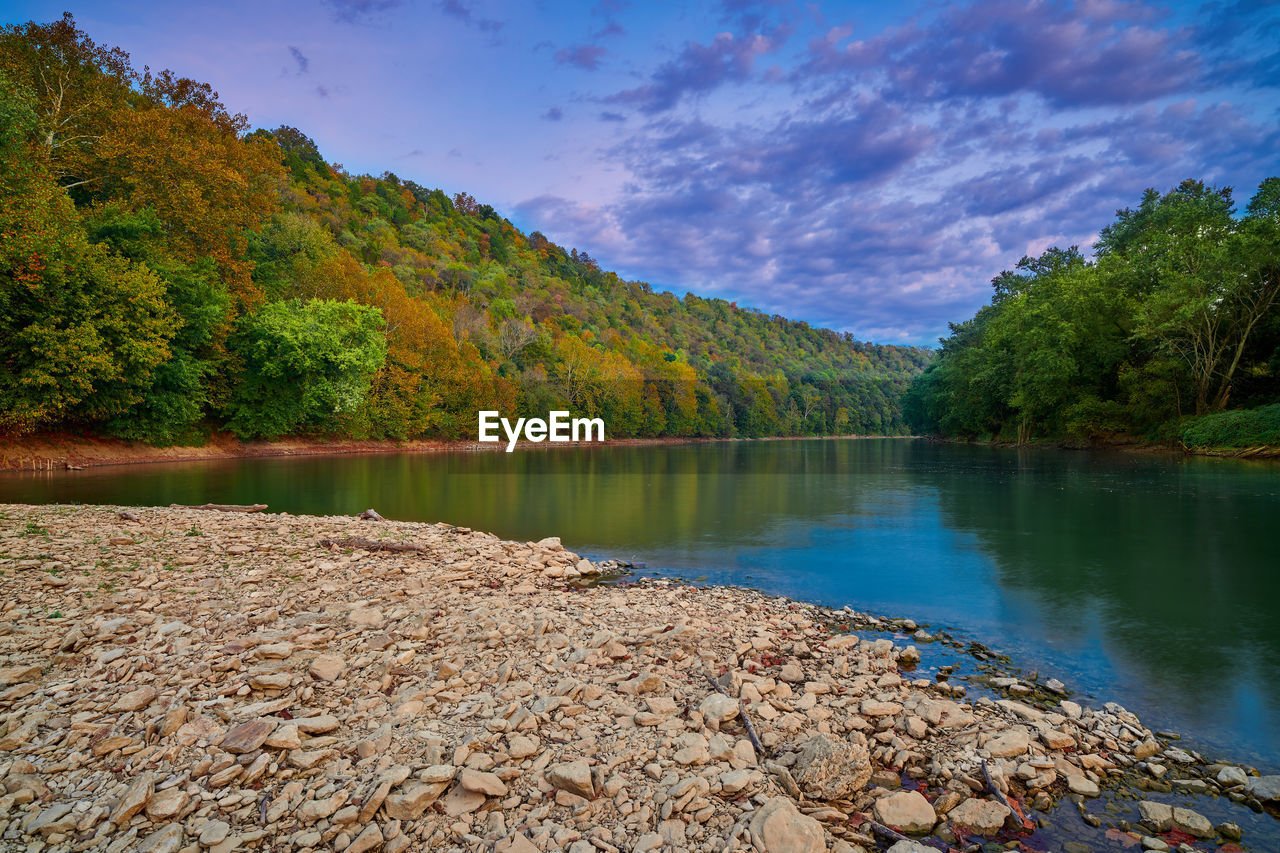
[[1192, 823], [1083, 786], [1008, 745], [136, 700], [520, 747], [1232, 777], [248, 737], [734, 781], [167, 804], [828, 769], [368, 839], [365, 617], [778, 827], [56, 818], [214, 832], [1146, 749], [693, 750], [572, 776], [1157, 817], [19, 674], [317, 725], [981, 816], [134, 800], [516, 843], [1230, 831], [909, 846], [717, 709], [283, 737], [1265, 788], [411, 801], [166, 839], [645, 682], [327, 667], [460, 801], [874, 708], [484, 783], [908, 811]]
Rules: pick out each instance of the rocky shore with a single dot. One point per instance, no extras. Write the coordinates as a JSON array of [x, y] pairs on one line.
[[193, 680]]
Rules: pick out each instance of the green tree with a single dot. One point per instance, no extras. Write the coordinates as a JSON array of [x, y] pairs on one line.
[[306, 364]]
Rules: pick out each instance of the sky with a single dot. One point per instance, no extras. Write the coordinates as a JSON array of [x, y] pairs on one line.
[[867, 167]]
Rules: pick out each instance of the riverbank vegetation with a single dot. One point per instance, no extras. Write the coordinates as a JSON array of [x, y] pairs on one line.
[[1170, 332], [165, 272]]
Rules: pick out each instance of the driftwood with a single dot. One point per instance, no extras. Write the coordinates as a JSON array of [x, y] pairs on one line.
[[1014, 811], [124, 515], [882, 830], [370, 514], [371, 545], [223, 507], [742, 712]]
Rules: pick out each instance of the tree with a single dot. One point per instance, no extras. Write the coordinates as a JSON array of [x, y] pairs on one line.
[[306, 364], [1214, 280], [81, 330]]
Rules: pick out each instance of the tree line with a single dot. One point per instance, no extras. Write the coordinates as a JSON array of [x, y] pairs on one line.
[[1170, 331], [167, 272]]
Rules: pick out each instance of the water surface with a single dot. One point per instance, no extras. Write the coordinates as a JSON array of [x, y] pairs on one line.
[[1151, 581]]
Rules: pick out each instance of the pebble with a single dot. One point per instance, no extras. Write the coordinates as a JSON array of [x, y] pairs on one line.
[[464, 698]]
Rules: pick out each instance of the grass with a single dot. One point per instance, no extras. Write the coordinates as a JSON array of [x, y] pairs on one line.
[[1237, 428], [33, 529]]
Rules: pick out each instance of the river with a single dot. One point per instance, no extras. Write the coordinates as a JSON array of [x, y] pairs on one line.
[[1149, 580]]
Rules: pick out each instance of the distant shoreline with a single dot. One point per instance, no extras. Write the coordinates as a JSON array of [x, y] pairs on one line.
[[70, 452], [1268, 452]]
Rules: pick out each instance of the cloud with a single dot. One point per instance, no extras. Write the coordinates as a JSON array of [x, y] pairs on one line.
[[584, 56], [358, 11], [611, 116], [698, 69], [301, 60], [553, 114], [1071, 55], [462, 11]]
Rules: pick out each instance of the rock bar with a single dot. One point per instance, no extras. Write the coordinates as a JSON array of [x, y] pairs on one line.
[[195, 681]]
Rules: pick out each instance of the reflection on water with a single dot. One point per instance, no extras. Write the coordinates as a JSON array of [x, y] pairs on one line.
[[1148, 580]]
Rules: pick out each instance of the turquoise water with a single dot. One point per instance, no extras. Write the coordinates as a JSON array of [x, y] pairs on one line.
[[1148, 580]]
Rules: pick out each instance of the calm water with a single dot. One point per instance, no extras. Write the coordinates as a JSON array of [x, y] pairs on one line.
[[1150, 581]]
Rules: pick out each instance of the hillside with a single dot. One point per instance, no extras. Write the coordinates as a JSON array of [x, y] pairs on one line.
[[167, 273]]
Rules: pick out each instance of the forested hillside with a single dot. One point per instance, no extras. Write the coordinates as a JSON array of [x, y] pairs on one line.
[[1170, 331], [165, 272]]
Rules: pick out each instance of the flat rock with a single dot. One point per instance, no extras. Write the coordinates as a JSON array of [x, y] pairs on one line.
[[572, 776], [134, 800], [1008, 745], [166, 839], [1083, 786], [136, 700], [248, 737], [327, 667], [981, 816], [1265, 788], [1155, 816], [778, 827], [908, 811], [484, 783], [1192, 823], [411, 801]]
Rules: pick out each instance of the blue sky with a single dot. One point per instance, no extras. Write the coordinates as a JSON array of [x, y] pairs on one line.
[[863, 166]]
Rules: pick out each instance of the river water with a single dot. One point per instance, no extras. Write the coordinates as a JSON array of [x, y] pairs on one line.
[[1153, 581]]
